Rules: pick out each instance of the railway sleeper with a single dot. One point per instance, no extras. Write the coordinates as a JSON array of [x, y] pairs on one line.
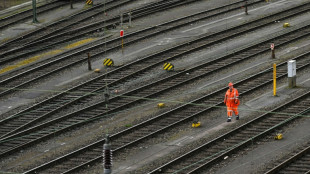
[[214, 150], [304, 161], [91, 152], [89, 113], [247, 133], [139, 135], [301, 165], [44, 110], [267, 124], [256, 129], [296, 169], [262, 126], [232, 141], [71, 95], [10, 127], [117, 145]]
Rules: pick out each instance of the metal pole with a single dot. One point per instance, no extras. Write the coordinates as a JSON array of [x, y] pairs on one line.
[[107, 156], [273, 55], [129, 14], [89, 63], [274, 79], [246, 7], [121, 20], [71, 4], [34, 8], [122, 45]]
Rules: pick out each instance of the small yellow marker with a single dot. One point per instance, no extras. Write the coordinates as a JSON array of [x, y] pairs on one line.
[[286, 25], [97, 70], [278, 136], [161, 105], [196, 124]]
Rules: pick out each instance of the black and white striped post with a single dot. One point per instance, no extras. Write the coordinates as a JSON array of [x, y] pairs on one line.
[[107, 156]]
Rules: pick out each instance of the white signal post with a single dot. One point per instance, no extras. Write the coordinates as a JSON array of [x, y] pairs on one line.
[[122, 36]]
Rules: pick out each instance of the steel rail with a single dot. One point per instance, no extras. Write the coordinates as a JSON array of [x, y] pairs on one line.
[[63, 32], [283, 74], [53, 66], [93, 28], [156, 88], [69, 35], [119, 145], [27, 14], [3, 127], [56, 26], [215, 150], [6, 81], [299, 163]]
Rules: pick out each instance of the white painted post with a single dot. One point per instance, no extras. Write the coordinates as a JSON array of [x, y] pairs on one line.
[[291, 72]]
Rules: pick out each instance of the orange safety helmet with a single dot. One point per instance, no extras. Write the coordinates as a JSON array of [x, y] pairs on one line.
[[230, 84]]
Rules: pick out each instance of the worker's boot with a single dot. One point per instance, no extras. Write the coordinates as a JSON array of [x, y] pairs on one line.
[[237, 118], [229, 119]]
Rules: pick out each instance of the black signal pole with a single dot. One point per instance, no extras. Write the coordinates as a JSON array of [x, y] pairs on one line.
[[34, 8], [246, 7]]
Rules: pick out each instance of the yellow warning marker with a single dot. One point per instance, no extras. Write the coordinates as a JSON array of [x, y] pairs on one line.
[[97, 70], [278, 136], [108, 62], [79, 43], [196, 124], [161, 105], [89, 2], [168, 67], [28, 61], [286, 25]]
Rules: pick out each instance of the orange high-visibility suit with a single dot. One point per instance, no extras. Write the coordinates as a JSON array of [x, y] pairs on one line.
[[232, 101]]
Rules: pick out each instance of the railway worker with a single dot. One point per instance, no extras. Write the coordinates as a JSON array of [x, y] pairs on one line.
[[232, 102]]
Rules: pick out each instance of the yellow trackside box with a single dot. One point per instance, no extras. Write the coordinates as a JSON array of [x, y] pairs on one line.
[[278, 137], [197, 124], [161, 105], [286, 25]]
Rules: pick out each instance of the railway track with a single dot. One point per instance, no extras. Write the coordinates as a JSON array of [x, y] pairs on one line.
[[73, 32], [19, 122], [112, 45], [10, 81], [159, 124], [212, 152], [78, 25], [9, 84], [63, 24], [27, 14], [299, 163], [151, 127]]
